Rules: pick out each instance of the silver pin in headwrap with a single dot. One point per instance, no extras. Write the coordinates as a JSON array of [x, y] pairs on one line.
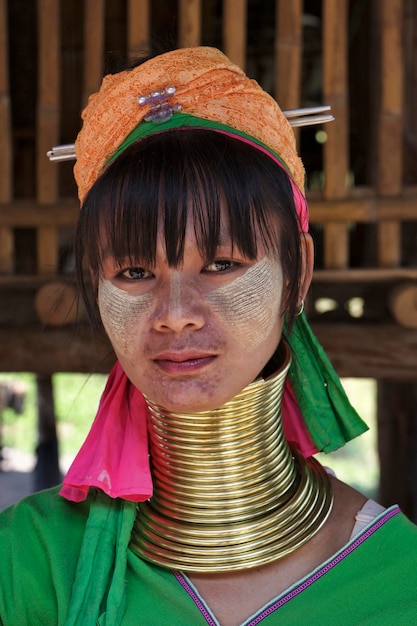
[[161, 110]]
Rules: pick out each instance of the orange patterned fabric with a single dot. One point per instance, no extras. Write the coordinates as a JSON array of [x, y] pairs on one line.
[[208, 85]]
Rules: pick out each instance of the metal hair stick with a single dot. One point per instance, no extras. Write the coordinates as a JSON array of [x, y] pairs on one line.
[[307, 116]]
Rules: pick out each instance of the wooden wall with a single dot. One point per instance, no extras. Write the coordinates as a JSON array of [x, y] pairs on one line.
[[356, 55]]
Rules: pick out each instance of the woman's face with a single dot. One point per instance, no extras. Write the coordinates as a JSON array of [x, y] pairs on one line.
[[191, 337]]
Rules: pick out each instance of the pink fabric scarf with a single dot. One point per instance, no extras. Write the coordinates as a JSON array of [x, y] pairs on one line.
[[114, 456]]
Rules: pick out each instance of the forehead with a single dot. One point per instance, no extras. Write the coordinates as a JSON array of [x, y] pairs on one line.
[[212, 192]]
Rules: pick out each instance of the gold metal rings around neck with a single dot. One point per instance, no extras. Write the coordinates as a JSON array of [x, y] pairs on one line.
[[228, 491]]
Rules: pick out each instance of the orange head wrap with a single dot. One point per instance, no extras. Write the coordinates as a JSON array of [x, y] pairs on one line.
[[207, 85]]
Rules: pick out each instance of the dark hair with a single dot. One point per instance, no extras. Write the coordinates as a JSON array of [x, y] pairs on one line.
[[163, 178]]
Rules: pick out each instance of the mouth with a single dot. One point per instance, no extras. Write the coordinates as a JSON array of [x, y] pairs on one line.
[[183, 362]]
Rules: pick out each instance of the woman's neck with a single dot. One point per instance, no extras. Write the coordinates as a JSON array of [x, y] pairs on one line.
[[228, 491]]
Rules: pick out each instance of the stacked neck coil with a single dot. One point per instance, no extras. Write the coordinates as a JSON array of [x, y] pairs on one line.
[[228, 492]]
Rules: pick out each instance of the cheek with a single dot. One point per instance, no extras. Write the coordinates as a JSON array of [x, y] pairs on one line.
[[123, 316], [251, 304]]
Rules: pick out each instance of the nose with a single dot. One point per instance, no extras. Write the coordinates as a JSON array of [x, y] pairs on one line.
[[179, 305]]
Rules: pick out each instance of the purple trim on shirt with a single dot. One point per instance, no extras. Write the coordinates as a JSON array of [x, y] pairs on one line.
[[197, 601], [304, 585], [326, 568]]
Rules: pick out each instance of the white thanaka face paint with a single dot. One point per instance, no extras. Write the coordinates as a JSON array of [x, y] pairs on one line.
[[175, 293], [123, 315], [251, 303], [233, 327]]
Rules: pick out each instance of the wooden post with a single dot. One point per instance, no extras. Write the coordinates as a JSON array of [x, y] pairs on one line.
[[288, 53], [397, 444], [48, 99], [48, 127], [189, 23], [397, 401], [234, 31], [390, 123], [138, 25], [336, 153], [94, 17], [6, 234], [46, 473]]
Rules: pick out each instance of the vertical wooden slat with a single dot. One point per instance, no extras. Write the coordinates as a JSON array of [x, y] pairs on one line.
[[5, 134], [6, 250], [48, 98], [234, 31], [189, 23], [47, 126], [288, 53], [94, 26], [138, 27], [390, 124], [335, 93], [6, 234]]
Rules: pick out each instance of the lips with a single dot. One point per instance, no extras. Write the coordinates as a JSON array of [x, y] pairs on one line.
[[183, 362]]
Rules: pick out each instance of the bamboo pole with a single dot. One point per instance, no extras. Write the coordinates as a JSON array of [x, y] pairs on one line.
[[335, 93], [94, 27], [47, 127], [288, 53], [6, 174], [138, 27], [189, 23], [5, 118], [48, 98], [234, 31], [390, 124]]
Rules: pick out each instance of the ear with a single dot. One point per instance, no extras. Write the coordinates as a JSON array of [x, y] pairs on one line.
[[307, 264]]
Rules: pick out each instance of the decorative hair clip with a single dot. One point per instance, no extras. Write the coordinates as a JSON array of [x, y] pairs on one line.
[[161, 109]]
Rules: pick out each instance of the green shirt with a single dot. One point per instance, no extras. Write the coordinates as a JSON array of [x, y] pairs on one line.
[[371, 581]]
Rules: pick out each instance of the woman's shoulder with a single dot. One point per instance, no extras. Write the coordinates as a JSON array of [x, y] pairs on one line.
[[40, 542], [46, 506], [41, 526]]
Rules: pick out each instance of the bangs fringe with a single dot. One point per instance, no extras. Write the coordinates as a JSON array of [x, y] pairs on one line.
[[181, 177]]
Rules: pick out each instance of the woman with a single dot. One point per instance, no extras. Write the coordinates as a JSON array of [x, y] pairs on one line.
[[195, 498]]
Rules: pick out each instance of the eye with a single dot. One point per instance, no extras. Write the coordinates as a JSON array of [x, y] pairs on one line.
[[135, 273], [220, 266]]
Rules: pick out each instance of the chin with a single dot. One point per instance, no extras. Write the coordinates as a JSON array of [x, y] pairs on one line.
[[195, 403]]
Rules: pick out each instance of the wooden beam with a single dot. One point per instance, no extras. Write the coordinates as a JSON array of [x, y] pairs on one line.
[[365, 274], [369, 350], [45, 351], [356, 350], [372, 210], [367, 209], [21, 214]]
